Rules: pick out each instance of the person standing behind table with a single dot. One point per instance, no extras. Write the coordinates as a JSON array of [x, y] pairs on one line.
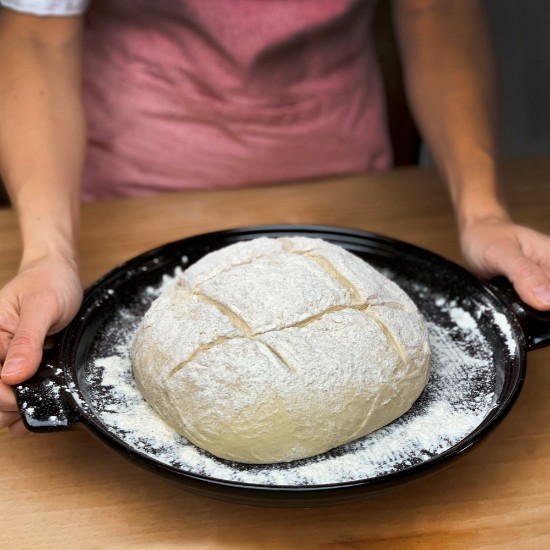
[[204, 93]]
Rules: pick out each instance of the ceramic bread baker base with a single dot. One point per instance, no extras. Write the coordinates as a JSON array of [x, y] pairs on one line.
[[59, 396]]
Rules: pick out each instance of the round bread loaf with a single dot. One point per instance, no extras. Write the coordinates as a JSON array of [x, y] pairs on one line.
[[274, 350]]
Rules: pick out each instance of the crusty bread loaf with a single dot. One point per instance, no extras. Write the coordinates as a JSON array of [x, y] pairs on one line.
[[273, 350]]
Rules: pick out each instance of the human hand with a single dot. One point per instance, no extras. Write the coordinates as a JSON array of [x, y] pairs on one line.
[[498, 246], [39, 301]]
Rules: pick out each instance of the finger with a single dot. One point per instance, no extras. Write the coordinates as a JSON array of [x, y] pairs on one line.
[[25, 350], [8, 418], [18, 428], [542, 294], [536, 246], [528, 278], [5, 341], [8, 403], [8, 324]]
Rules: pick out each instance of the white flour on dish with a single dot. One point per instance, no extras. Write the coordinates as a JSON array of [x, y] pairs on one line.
[[458, 397]]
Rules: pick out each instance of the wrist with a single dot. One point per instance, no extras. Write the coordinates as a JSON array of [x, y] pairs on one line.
[[48, 239], [477, 197], [48, 224], [469, 213], [58, 252]]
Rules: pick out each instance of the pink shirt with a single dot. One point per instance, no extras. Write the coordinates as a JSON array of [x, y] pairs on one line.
[[186, 94]]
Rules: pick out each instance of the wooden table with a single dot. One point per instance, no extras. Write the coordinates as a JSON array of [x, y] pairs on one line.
[[65, 490]]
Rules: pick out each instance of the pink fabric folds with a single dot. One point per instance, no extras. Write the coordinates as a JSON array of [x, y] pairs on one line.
[[186, 94]]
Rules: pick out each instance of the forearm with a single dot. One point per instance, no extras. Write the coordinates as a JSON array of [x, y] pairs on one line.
[[450, 78], [42, 135]]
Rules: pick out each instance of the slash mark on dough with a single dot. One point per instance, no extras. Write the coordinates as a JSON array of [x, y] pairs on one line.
[[246, 332]]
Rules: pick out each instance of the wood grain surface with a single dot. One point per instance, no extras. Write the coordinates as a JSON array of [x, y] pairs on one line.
[[66, 490]]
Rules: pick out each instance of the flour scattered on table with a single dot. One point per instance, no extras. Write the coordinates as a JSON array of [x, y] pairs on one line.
[[458, 397]]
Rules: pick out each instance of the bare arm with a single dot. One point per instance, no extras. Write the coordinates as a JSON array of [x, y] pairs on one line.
[[42, 137], [450, 78], [42, 132]]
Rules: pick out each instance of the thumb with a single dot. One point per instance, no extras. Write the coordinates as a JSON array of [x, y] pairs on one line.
[[528, 278], [25, 350]]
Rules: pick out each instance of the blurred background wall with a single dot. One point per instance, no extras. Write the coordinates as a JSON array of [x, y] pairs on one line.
[[521, 35]]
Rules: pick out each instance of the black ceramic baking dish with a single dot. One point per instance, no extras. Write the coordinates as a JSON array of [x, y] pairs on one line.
[[57, 398]]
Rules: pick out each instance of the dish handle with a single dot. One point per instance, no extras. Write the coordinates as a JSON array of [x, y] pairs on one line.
[[43, 400], [535, 323]]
